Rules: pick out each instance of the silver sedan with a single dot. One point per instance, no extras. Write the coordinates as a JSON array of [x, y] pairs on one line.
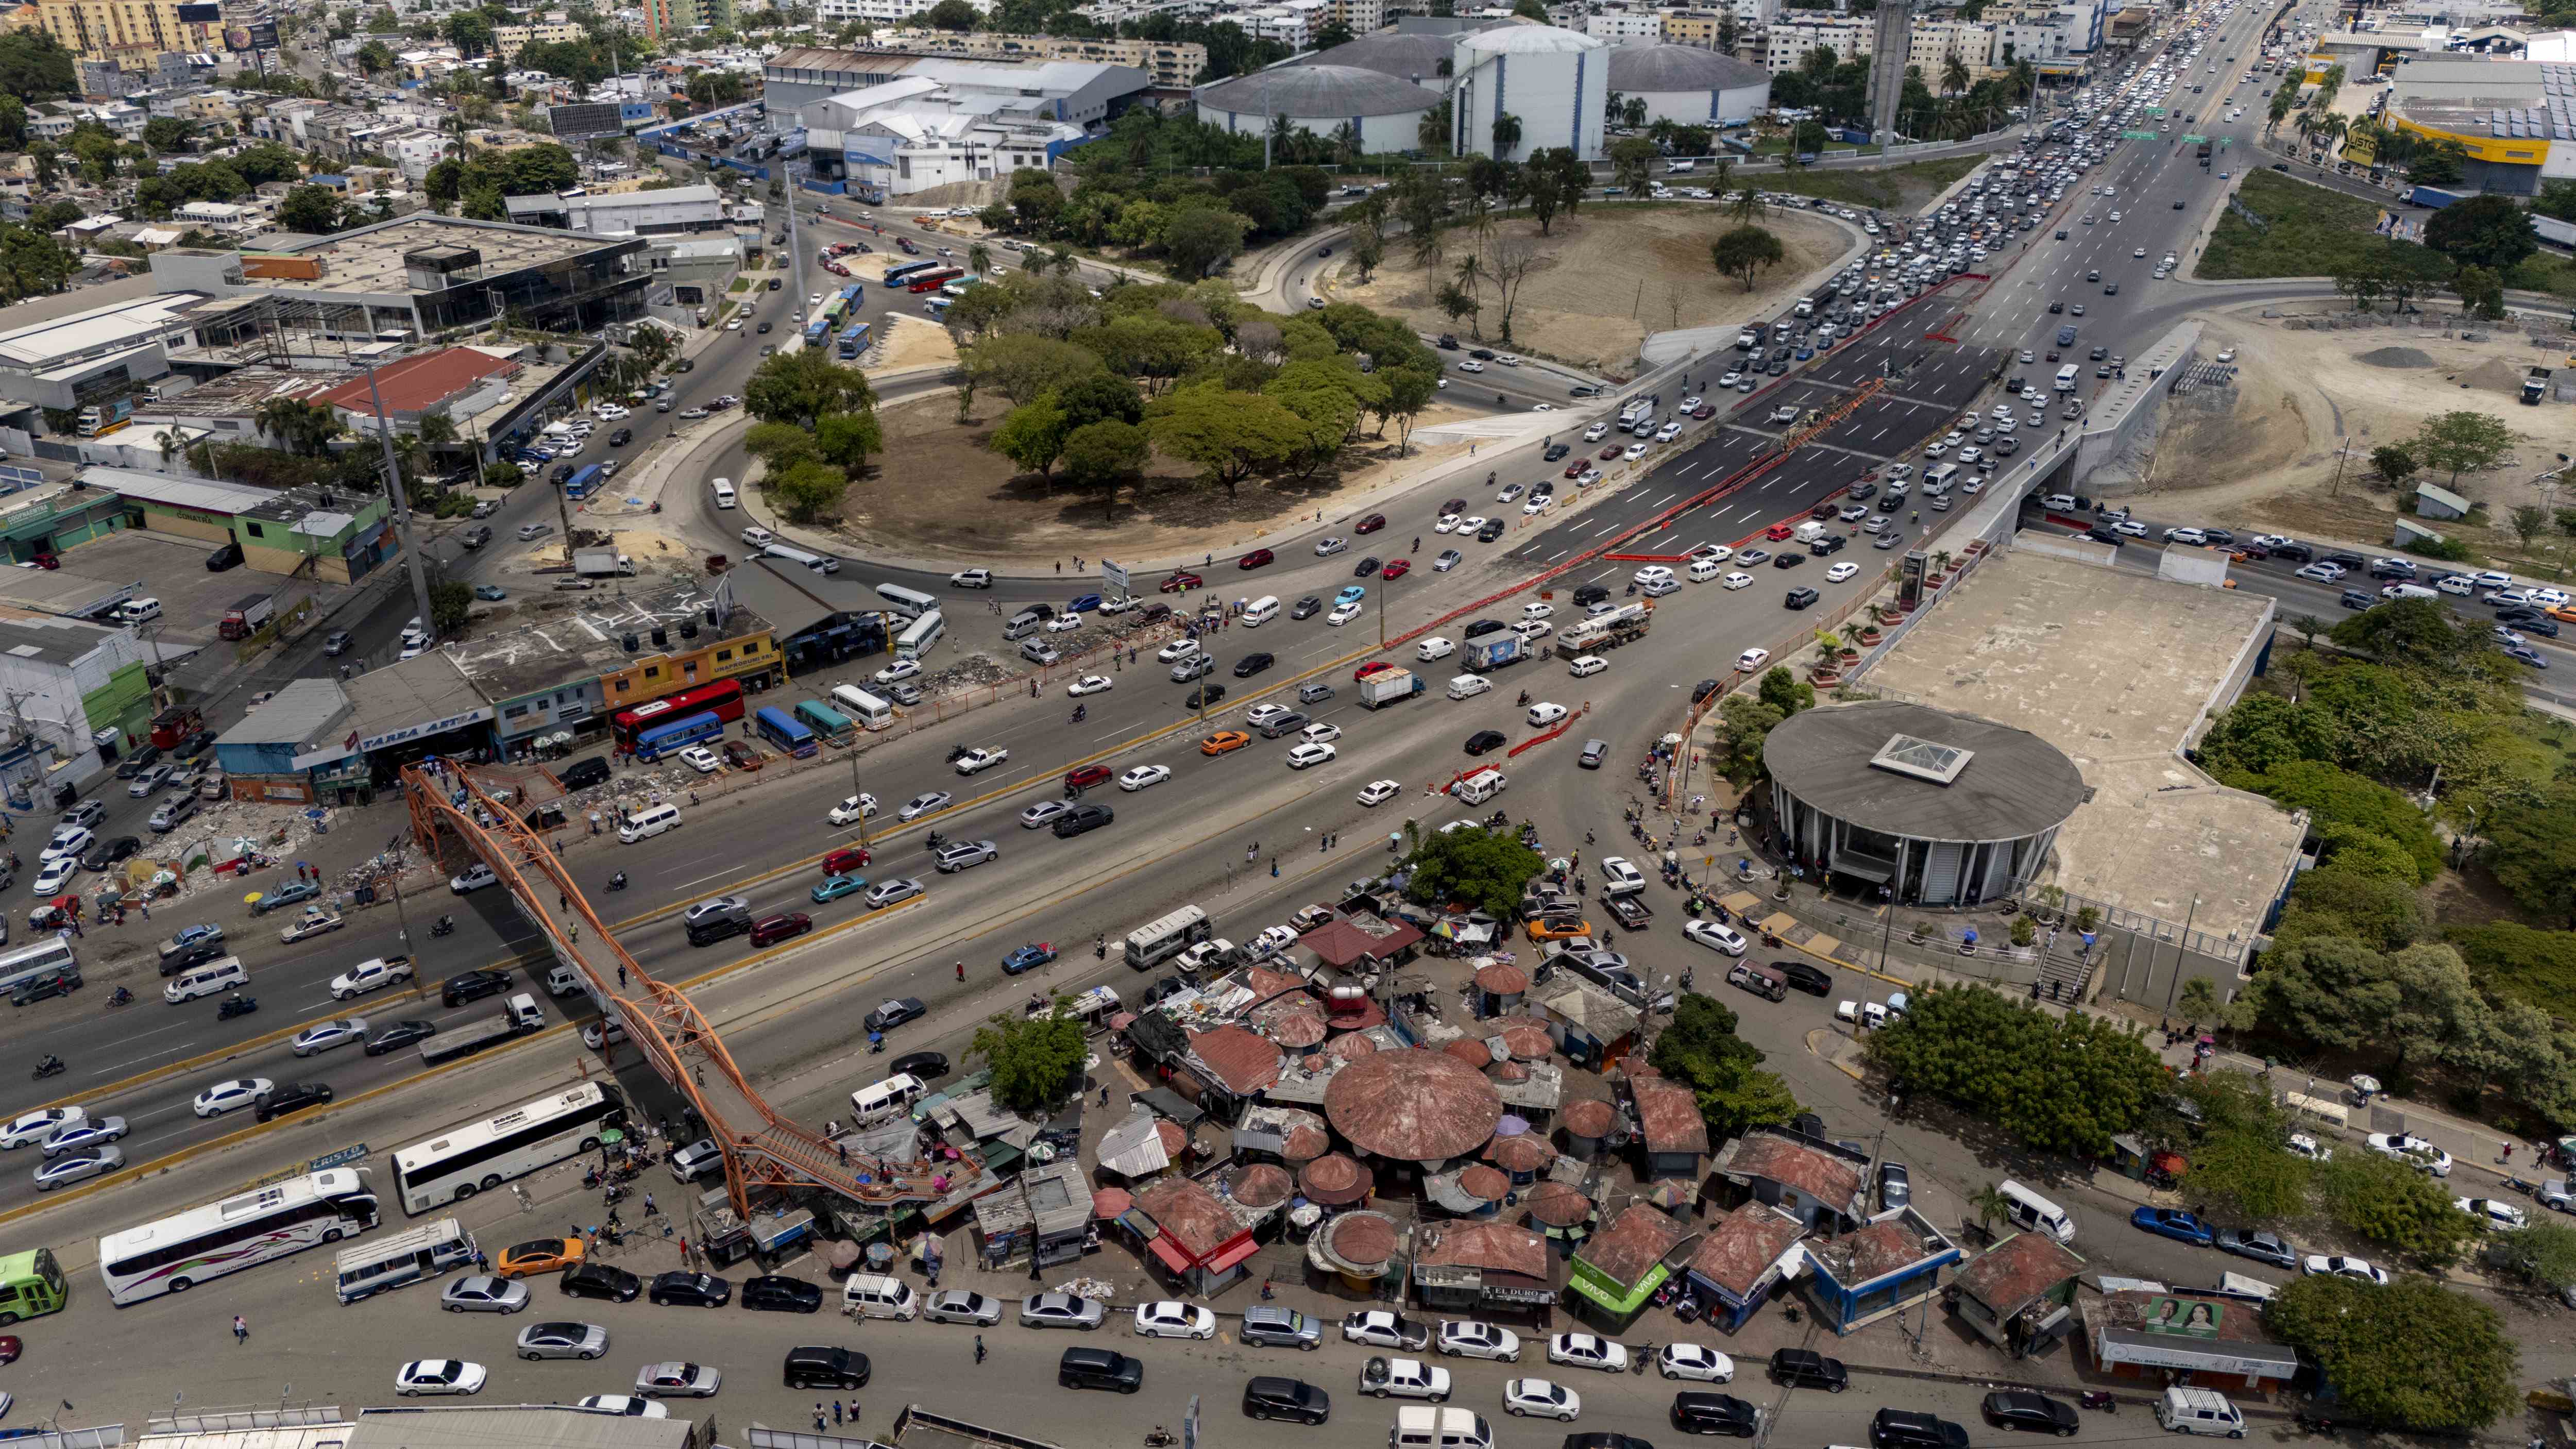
[[562, 1340], [957, 1305]]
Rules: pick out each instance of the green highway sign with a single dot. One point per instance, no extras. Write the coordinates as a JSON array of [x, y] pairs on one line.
[[2191, 140], [2137, 135]]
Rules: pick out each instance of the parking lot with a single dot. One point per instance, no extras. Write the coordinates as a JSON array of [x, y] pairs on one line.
[[173, 570]]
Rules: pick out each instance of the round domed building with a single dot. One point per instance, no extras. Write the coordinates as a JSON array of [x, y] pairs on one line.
[[1385, 112], [1942, 808], [1423, 60], [1689, 86]]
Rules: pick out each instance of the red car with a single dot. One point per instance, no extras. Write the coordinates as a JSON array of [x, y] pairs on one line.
[[1374, 666], [1397, 569], [842, 862], [9, 1347], [1370, 524], [1704, 411], [1254, 559], [1454, 505], [1779, 532], [1575, 468], [783, 926], [1613, 451], [1085, 776], [1179, 583]]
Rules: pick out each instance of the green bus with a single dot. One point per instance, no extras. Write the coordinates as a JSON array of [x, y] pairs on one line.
[[31, 1283]]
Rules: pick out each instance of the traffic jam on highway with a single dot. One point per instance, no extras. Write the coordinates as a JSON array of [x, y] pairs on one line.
[[1299, 705]]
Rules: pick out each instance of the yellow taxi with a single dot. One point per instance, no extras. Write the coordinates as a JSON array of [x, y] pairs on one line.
[[1558, 928]]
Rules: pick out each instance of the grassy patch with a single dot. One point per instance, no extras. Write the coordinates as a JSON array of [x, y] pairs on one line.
[[2308, 231], [1886, 188], [2545, 272]]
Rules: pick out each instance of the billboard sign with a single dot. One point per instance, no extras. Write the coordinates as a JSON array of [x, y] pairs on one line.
[[587, 120], [201, 15], [257, 35]]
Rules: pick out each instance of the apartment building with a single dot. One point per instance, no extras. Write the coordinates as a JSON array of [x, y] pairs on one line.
[[677, 17], [1360, 17], [882, 12], [1786, 43], [126, 31], [1625, 25], [509, 40], [1929, 46], [1169, 63]]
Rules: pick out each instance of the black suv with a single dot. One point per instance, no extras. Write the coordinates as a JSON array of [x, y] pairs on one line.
[[1481, 628], [621, 437], [599, 1280], [1080, 818], [1804, 1368], [1590, 594], [293, 1097], [1698, 1412], [1267, 1397], [1099, 1368], [781, 1295], [826, 1368], [472, 986], [1830, 543], [2022, 1409], [1905, 1429]]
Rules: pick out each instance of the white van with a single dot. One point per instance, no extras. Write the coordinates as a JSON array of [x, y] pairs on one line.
[[725, 497], [138, 611], [2030, 1210], [877, 1101], [1427, 1428], [864, 709], [1481, 786], [564, 981], [1704, 569], [879, 1295], [1260, 611], [1937, 479], [646, 823], [2199, 1411], [225, 974], [2408, 591]]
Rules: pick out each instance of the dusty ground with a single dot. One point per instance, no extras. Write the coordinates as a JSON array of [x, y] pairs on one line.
[[2300, 394], [914, 342], [1604, 280], [959, 497]]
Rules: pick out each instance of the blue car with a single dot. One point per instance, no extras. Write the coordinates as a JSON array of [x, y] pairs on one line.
[[836, 886], [2526, 655], [2172, 1223], [284, 894], [1083, 604], [1028, 958], [1351, 594]]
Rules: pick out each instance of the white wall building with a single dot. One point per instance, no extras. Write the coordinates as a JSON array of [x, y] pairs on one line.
[[1688, 85], [1553, 81], [945, 121], [1625, 25], [883, 12], [1786, 43]]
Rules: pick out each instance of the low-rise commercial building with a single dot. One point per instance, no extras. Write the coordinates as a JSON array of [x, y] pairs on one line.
[[1169, 63], [554, 684], [336, 536], [672, 211]]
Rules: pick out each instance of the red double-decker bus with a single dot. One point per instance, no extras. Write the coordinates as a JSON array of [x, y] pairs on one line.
[[933, 280], [723, 698]]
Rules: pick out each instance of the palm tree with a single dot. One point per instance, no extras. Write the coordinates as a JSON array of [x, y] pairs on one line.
[[1433, 131], [1747, 206], [170, 443], [1507, 134], [1989, 1203], [979, 258], [1954, 74], [1721, 177], [1346, 144], [1469, 272], [1063, 261]]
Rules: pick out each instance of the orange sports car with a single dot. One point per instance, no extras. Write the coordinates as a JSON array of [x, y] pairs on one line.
[[1558, 928], [1223, 742]]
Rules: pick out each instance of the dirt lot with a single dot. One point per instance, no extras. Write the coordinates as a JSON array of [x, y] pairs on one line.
[[1605, 279], [2300, 392], [960, 498], [915, 342]]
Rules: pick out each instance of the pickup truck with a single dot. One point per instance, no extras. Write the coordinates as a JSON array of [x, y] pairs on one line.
[[1629, 911], [314, 922], [191, 940], [977, 760], [284, 894], [373, 974], [1404, 1378]]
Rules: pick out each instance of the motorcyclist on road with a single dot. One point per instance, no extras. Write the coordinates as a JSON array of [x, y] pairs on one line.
[[51, 1063]]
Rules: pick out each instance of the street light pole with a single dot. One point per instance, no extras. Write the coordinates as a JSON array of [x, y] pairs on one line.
[[862, 794]]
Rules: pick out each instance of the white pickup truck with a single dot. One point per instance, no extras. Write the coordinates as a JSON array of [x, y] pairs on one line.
[[1404, 1378]]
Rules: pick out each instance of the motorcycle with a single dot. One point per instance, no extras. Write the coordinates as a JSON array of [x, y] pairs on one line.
[[445, 925], [956, 753], [50, 1067], [934, 840], [236, 1006], [617, 882], [121, 997], [1080, 713], [1159, 1437], [2313, 1423], [2097, 1399]]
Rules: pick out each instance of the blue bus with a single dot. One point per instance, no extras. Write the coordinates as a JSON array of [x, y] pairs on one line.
[[816, 334], [678, 735], [781, 729], [854, 341], [584, 481], [894, 276], [853, 294]]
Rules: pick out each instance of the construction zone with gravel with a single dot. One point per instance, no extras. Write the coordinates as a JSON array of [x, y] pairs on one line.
[[2317, 386]]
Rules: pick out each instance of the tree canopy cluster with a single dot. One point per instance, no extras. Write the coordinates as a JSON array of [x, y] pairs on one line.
[[2065, 1084], [1701, 1050], [1479, 869], [2357, 963], [1193, 224], [1098, 384], [818, 426], [2410, 1356], [474, 186]]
